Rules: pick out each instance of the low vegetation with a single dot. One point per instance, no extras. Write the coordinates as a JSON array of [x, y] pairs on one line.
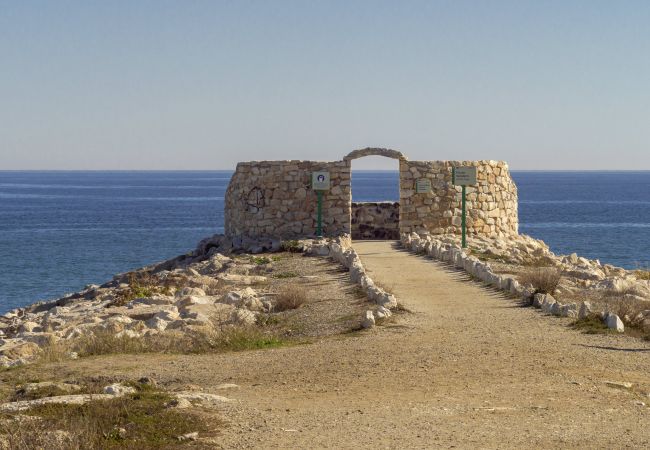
[[290, 297], [141, 420], [291, 246], [544, 280]]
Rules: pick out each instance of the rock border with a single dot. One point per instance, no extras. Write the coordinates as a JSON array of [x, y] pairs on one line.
[[454, 254]]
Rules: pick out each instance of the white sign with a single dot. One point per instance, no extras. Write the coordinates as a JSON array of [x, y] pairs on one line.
[[422, 186], [320, 181], [464, 176]]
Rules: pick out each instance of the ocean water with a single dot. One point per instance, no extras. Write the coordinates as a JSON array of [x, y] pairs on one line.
[[62, 230]]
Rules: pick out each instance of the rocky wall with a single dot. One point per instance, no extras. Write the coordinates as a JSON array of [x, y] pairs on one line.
[[491, 205], [375, 220], [274, 199]]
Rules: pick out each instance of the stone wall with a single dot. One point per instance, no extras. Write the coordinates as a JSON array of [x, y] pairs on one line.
[[375, 220], [491, 204], [274, 199]]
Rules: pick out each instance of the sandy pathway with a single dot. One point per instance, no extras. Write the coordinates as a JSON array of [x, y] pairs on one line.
[[468, 369]]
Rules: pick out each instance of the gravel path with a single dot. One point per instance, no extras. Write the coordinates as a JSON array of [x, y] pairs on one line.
[[468, 368]]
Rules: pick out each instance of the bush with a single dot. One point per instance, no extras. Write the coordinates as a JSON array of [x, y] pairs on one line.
[[544, 280], [291, 246], [291, 297]]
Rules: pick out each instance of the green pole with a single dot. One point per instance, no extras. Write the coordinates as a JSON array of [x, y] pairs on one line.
[[463, 218], [319, 223]]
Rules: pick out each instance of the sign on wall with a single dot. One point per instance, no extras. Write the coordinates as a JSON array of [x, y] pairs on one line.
[[464, 176], [422, 186], [320, 181]]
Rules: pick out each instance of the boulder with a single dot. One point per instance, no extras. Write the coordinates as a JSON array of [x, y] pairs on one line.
[[156, 323], [118, 390], [585, 311], [368, 320], [78, 399], [190, 291], [30, 327], [383, 312], [614, 323], [243, 317], [555, 309], [569, 310]]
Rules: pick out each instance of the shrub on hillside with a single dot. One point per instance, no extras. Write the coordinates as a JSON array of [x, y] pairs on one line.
[[291, 297], [544, 280]]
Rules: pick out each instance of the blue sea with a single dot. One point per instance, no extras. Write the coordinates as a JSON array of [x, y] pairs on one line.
[[62, 230]]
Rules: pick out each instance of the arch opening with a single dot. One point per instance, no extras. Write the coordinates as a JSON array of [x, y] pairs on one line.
[[374, 194]]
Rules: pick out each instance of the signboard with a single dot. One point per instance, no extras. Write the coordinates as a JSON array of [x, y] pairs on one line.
[[422, 186], [464, 176], [320, 181]]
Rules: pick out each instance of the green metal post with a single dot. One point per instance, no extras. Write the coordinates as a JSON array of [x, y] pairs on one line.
[[319, 224], [463, 219]]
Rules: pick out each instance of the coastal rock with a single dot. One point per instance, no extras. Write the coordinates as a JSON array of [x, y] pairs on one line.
[[243, 317], [119, 390], [585, 311], [78, 399], [368, 320], [190, 291], [615, 323]]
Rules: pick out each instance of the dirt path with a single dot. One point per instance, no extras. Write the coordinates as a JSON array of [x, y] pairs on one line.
[[468, 369]]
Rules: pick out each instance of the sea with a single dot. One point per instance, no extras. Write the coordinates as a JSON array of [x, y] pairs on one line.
[[60, 231]]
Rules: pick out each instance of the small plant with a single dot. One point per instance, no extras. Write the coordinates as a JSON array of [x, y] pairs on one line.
[[260, 260], [291, 297], [544, 280], [291, 246], [246, 338], [592, 325]]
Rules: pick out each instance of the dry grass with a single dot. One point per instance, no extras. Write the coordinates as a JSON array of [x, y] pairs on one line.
[[642, 274], [229, 338], [292, 296], [544, 280], [141, 421]]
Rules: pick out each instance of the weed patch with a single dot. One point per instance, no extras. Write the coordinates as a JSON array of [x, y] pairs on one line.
[[291, 297], [544, 280]]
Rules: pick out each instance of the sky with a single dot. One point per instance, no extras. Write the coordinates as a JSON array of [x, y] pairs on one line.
[[203, 84]]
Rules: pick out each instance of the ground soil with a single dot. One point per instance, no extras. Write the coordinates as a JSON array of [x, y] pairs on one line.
[[467, 368]]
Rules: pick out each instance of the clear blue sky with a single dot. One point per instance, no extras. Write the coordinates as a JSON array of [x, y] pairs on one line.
[[204, 84]]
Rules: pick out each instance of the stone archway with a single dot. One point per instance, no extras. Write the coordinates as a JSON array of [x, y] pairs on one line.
[[375, 219], [375, 151]]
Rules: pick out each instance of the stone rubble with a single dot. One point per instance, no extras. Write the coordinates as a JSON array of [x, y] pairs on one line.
[[97, 309]]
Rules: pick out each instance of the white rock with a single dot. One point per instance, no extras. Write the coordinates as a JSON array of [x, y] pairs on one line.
[[156, 323], [384, 311], [368, 320], [615, 323], [190, 291], [243, 317], [119, 390], [30, 327], [585, 310]]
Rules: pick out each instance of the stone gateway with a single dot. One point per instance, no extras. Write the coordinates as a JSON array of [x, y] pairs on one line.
[[275, 199]]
